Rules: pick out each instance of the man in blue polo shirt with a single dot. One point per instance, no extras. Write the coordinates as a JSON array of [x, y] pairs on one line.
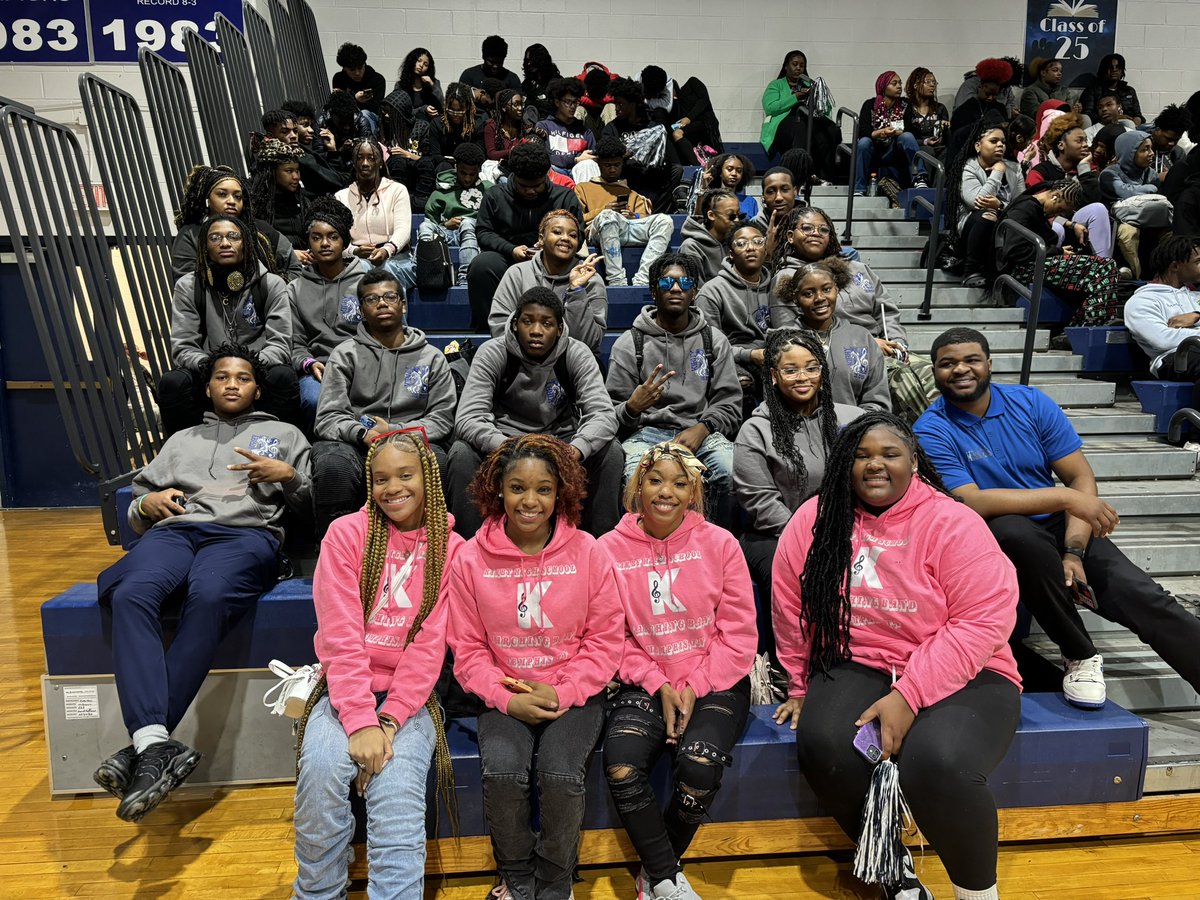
[[998, 448]]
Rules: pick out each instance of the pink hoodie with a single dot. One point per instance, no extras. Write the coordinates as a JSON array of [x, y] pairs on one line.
[[932, 596], [689, 621], [553, 617], [361, 661]]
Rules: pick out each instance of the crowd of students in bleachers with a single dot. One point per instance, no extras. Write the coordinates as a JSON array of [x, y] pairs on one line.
[[590, 539]]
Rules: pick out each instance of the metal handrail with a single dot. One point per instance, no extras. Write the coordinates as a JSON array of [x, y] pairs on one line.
[[1182, 417], [1031, 292], [935, 210], [848, 149]]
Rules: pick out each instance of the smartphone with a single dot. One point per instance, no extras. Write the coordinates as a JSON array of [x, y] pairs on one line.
[[516, 685], [869, 743], [366, 422], [1084, 595], [622, 199]]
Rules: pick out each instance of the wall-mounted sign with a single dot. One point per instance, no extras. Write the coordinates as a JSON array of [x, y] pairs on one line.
[[1076, 32]]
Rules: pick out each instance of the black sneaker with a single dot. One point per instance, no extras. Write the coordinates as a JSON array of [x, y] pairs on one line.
[[160, 769], [910, 887], [115, 772]]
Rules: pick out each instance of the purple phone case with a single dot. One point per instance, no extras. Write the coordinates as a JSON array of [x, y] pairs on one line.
[[869, 742]]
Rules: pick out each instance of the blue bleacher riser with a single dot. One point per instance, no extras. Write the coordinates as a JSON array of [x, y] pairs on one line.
[[1053, 308], [753, 151], [1107, 348], [128, 537], [920, 214], [1163, 399]]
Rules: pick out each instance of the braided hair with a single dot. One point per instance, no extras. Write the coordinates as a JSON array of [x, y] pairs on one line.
[[685, 261], [825, 581], [248, 267], [459, 92], [785, 421], [379, 531], [269, 155], [691, 466], [193, 210], [705, 204], [560, 459], [954, 171]]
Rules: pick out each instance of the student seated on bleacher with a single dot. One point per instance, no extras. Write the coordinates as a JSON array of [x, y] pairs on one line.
[[384, 378], [358, 79], [1169, 127], [323, 299], [537, 629], [535, 378], [209, 508], [557, 266], [452, 208], [372, 723], [654, 175], [883, 142], [461, 122], [785, 105], [673, 378], [402, 133], [345, 124], [275, 188], [981, 182], [1110, 78], [999, 447], [1110, 112], [1065, 154], [317, 176], [494, 52], [893, 605], [382, 215], [704, 233], [417, 77], [1132, 175], [689, 697], [509, 223], [732, 171], [780, 451], [617, 216], [227, 297], [505, 127], [686, 110], [992, 77], [1164, 315], [807, 297], [569, 141]]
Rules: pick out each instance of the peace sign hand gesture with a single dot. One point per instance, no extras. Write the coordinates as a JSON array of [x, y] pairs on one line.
[[262, 469], [585, 271], [649, 392]]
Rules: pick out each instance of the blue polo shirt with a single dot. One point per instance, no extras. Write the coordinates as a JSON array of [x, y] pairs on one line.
[[1011, 446]]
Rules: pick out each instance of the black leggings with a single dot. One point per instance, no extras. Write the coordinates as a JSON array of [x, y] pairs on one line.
[[759, 550], [792, 133], [632, 745], [944, 761], [977, 240]]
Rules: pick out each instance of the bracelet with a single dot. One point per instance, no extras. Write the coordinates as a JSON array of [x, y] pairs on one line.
[[307, 365], [385, 719], [139, 507], [1081, 552]]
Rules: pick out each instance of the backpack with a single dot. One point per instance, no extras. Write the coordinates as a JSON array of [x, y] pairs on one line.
[[459, 355], [435, 272], [639, 350], [911, 385]]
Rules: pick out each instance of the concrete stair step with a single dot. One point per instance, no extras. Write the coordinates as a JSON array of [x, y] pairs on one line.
[[921, 338], [1073, 392], [1046, 363], [976, 316], [914, 276], [911, 295], [889, 226], [866, 242], [1173, 760], [1184, 589], [1137, 459], [886, 260], [1170, 497], [1124, 418], [1162, 546]]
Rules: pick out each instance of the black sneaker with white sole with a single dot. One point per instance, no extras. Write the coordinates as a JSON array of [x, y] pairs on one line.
[[115, 773], [160, 769], [910, 887]]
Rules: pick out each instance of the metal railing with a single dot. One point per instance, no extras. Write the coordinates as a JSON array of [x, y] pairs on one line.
[[239, 73], [262, 50], [851, 150], [1032, 292], [287, 49], [310, 40], [170, 109], [935, 210], [81, 321], [1182, 417], [212, 99]]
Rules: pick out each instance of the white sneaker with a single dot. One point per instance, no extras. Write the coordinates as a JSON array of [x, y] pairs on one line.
[[1083, 684], [293, 689], [679, 889]]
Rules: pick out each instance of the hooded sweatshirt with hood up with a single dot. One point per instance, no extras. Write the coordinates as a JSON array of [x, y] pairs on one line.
[[407, 386], [1123, 178], [742, 311], [260, 315], [195, 461], [700, 244], [324, 312], [696, 392], [763, 481], [935, 598], [689, 606], [553, 617], [1147, 313], [587, 308], [535, 402]]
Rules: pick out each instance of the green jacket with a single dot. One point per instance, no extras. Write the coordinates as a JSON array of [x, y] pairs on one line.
[[448, 200], [777, 101]]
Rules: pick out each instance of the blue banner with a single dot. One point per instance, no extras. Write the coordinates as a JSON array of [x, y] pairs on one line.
[[47, 31], [1076, 32]]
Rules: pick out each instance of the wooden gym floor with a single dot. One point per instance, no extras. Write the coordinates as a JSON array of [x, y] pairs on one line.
[[236, 844]]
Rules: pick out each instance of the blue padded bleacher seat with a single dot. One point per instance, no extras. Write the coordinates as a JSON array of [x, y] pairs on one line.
[[753, 151], [1053, 307], [1163, 399], [443, 312], [1107, 348], [920, 213]]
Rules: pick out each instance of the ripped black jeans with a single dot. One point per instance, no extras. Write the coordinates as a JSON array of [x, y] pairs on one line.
[[633, 742]]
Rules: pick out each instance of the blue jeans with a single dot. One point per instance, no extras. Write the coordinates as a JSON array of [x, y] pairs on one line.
[[310, 393], [612, 231], [395, 810], [404, 269], [897, 155], [716, 453], [462, 237]]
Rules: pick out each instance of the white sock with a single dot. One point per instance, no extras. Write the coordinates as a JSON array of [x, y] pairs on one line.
[[986, 894], [149, 734]]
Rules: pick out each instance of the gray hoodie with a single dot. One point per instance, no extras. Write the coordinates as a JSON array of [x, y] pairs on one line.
[[324, 312], [587, 308], [410, 385], [694, 393], [261, 317], [763, 480], [741, 310], [701, 245], [186, 246], [194, 461], [1147, 313], [1123, 178], [865, 301], [535, 402]]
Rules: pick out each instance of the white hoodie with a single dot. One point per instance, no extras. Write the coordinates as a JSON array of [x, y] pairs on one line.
[[1147, 313]]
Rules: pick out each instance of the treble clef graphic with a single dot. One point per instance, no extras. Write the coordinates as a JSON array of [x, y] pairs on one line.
[[655, 593]]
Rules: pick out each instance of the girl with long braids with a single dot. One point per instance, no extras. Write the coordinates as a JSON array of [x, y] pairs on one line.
[[459, 123], [373, 722], [780, 452], [536, 628], [218, 190], [382, 210], [685, 673], [275, 189], [893, 605], [704, 233], [506, 125]]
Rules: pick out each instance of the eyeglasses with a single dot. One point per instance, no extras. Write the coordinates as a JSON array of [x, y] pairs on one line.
[[685, 282], [743, 243], [390, 297], [791, 373], [569, 103], [806, 228], [216, 237]]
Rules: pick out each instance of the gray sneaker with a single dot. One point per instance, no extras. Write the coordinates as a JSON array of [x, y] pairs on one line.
[[677, 889]]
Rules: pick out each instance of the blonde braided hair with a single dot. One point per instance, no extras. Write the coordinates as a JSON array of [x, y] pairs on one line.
[[691, 466], [437, 533]]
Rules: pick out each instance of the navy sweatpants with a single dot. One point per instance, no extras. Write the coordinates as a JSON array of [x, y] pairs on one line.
[[224, 570]]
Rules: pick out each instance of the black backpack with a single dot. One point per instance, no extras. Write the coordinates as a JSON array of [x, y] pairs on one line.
[[512, 366], [435, 272], [639, 350]]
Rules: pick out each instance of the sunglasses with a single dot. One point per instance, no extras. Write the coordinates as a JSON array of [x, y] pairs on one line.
[[685, 282]]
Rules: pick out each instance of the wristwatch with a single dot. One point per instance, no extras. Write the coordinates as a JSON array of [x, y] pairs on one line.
[[1081, 552]]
